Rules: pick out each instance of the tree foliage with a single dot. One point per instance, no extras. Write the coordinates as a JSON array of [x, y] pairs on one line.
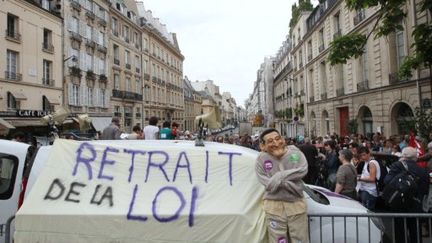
[[304, 5], [389, 20], [423, 122]]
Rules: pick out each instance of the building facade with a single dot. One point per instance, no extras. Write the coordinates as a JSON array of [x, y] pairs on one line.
[[193, 103], [31, 68], [364, 91], [85, 63], [163, 70], [126, 64]]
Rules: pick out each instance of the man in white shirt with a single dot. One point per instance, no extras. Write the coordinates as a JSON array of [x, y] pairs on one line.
[[367, 180], [151, 131]]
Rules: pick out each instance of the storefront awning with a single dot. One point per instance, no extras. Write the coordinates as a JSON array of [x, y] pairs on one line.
[[53, 101], [5, 124], [27, 122], [18, 95], [99, 123]]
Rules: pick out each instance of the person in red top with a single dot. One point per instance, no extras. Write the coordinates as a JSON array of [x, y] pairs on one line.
[[174, 127]]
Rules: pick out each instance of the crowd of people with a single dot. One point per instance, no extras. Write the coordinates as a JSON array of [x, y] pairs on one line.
[[372, 171]]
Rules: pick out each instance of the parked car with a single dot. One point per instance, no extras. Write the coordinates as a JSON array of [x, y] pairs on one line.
[[61, 217]]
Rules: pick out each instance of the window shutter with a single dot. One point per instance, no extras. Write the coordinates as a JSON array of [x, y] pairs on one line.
[[82, 61], [82, 28], [107, 98], [96, 97], [70, 94]]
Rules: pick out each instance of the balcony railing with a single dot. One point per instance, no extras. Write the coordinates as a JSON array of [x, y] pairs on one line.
[[102, 22], [117, 114], [13, 35], [324, 96], [90, 14], [137, 70], [154, 79], [90, 43], [128, 114], [75, 5], [137, 46], [363, 86], [116, 61], [147, 76], [117, 93], [75, 36], [359, 17], [393, 78], [321, 48], [49, 82], [337, 34], [115, 32], [13, 76], [102, 49], [311, 99], [340, 92], [138, 115], [47, 47], [309, 57], [128, 66]]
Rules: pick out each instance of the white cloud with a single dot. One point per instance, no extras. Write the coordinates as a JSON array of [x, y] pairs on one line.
[[225, 40]]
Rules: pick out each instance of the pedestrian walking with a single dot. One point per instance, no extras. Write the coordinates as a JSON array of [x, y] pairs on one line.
[[112, 131]]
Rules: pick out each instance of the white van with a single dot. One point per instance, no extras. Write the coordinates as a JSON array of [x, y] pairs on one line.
[[12, 161]]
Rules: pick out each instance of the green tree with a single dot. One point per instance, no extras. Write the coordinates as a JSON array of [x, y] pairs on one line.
[[423, 122], [389, 19], [304, 5]]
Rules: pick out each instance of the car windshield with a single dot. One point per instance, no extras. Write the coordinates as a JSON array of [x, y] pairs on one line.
[[316, 195]]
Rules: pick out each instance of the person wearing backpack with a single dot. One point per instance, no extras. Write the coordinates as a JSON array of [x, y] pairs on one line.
[[367, 181], [407, 184]]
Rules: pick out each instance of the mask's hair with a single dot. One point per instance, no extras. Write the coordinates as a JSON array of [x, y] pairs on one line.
[[265, 132]]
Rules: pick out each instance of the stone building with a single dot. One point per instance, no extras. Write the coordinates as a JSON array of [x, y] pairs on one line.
[[31, 68], [193, 103], [364, 91], [163, 70]]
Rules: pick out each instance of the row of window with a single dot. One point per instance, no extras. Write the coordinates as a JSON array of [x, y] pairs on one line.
[[82, 95], [13, 70], [86, 31]]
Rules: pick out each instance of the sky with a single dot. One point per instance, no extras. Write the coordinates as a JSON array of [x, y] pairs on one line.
[[225, 40]]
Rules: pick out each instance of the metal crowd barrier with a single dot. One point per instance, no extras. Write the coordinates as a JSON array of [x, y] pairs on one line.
[[381, 227]]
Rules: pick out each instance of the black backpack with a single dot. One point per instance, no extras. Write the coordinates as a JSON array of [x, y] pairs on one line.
[[401, 192]]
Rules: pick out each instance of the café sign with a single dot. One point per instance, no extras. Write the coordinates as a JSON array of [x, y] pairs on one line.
[[31, 113]]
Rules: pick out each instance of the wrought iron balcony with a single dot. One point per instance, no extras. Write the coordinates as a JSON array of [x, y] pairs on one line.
[[117, 93], [102, 22], [13, 35], [137, 70], [117, 114], [90, 15], [116, 61], [128, 66], [47, 47], [311, 99], [138, 115], [340, 92], [359, 17], [90, 43], [75, 36], [363, 86], [337, 34], [75, 5], [393, 78], [102, 48], [324, 96], [13, 76], [309, 57], [321, 48], [147, 76], [47, 81]]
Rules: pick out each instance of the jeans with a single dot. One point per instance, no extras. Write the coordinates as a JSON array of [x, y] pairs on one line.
[[367, 200]]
